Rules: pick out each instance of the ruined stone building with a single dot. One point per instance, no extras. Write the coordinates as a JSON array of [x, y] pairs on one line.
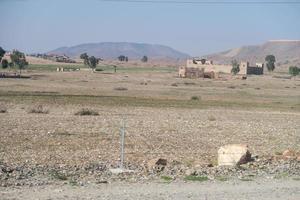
[[196, 68]]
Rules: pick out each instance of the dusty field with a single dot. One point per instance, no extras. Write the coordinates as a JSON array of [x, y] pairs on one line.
[[161, 119], [264, 190]]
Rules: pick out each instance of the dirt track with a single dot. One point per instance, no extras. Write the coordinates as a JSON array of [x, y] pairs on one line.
[[258, 189]]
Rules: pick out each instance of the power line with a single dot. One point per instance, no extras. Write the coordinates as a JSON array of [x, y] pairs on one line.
[[202, 2]]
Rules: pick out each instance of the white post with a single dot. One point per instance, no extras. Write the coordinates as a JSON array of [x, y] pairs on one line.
[[122, 143]]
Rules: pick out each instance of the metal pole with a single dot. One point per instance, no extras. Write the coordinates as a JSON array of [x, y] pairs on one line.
[[122, 143]]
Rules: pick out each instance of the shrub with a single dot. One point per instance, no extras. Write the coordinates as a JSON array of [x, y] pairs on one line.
[[166, 178], [3, 109], [86, 111], [235, 67], [58, 175], [195, 98], [189, 83], [211, 118], [174, 85], [121, 88], [196, 178], [4, 63], [39, 110], [99, 70], [294, 71]]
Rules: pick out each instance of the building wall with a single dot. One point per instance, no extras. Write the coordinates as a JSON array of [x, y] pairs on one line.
[[209, 67]]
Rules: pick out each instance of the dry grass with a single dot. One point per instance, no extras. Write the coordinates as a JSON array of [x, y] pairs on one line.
[[161, 119], [39, 109], [87, 112]]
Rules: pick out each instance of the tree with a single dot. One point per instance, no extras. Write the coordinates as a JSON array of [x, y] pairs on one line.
[[235, 67], [4, 63], [2, 52], [294, 71], [270, 59], [92, 62], [144, 59], [85, 58], [122, 58], [18, 59], [203, 61]]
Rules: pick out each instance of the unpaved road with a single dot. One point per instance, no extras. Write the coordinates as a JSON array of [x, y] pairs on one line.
[[286, 189]]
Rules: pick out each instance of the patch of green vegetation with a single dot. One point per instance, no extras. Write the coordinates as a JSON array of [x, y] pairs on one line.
[[53, 67], [128, 69], [196, 178], [58, 175], [166, 178], [123, 101], [281, 175], [73, 182], [246, 179], [296, 178], [222, 178]]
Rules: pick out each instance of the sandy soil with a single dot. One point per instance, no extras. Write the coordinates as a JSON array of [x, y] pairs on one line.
[[258, 189]]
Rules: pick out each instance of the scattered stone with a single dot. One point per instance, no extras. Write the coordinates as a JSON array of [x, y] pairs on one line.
[[120, 171], [289, 154], [234, 154], [157, 165]]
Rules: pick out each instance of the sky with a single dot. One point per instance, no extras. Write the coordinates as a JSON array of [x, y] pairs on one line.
[[38, 26]]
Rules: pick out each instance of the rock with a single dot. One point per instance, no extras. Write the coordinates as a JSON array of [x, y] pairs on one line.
[[157, 165], [289, 154], [190, 172], [298, 159], [120, 171], [234, 154]]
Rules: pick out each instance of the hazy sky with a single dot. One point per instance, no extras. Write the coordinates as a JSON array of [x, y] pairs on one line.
[[197, 29]]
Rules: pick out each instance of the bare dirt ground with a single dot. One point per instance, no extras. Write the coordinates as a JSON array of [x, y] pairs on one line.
[[161, 122], [259, 189]]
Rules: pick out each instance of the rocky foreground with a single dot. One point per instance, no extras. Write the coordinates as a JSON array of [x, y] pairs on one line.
[[276, 167]]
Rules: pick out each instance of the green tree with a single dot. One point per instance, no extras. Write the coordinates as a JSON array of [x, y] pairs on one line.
[[270, 59], [122, 58], [144, 59], [203, 61], [235, 67], [4, 63], [85, 58], [18, 59], [92, 62], [2, 52], [294, 71]]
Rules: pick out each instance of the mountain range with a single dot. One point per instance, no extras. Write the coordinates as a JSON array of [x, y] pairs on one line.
[[287, 52], [111, 50]]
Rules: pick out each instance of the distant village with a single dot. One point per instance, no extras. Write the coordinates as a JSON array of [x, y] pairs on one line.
[[202, 68]]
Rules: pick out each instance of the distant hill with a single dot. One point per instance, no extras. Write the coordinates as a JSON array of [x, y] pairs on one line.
[[287, 52], [111, 50]]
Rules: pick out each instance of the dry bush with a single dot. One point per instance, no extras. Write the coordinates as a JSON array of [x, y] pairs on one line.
[[38, 110], [211, 118], [87, 112], [121, 88], [3, 109], [174, 84], [189, 83], [195, 98]]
